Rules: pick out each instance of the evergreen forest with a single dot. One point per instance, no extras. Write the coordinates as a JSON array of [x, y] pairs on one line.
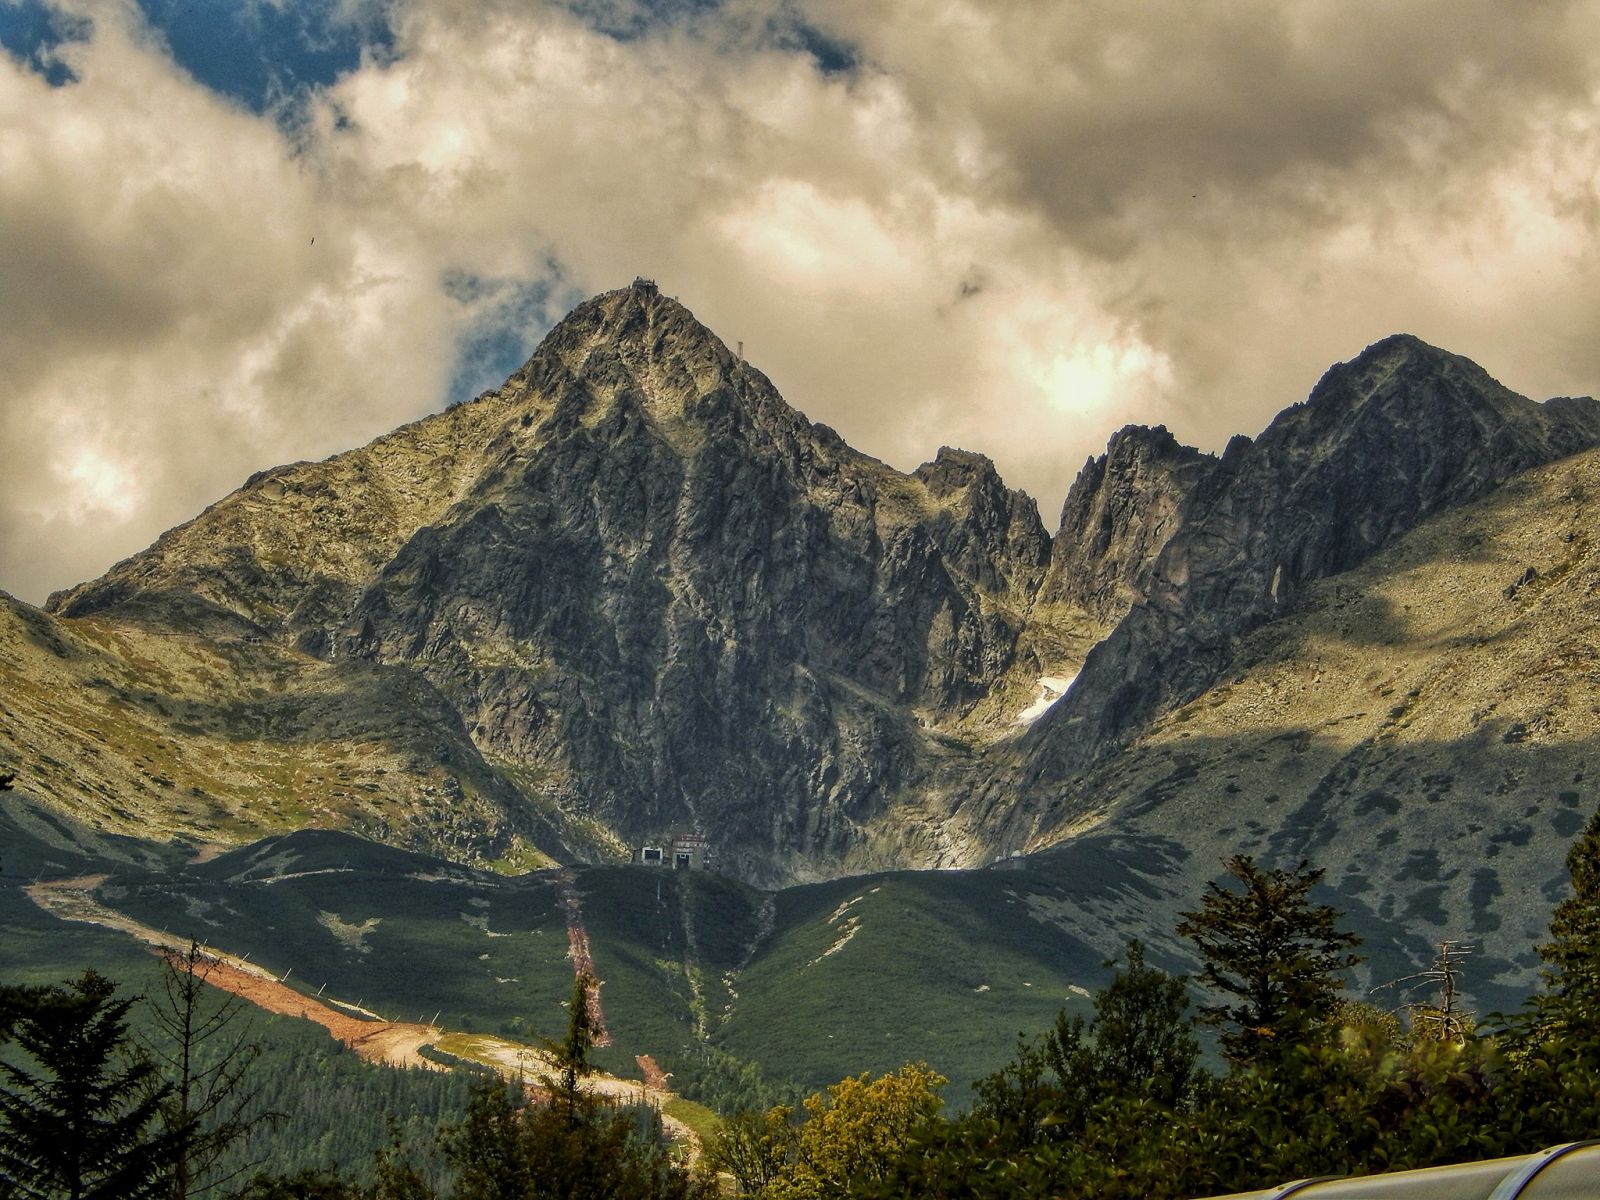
[[1257, 1070]]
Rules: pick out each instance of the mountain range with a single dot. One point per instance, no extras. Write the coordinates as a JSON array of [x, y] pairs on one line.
[[633, 592]]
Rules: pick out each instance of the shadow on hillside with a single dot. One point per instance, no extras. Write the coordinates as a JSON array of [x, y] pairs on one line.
[[1421, 840]]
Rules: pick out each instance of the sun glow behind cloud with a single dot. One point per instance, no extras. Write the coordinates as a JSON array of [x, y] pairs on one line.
[[1013, 228], [96, 485]]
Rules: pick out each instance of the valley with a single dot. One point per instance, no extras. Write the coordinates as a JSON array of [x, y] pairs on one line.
[[426, 700]]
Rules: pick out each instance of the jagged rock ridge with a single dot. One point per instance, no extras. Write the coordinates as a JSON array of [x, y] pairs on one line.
[[1122, 509], [651, 595], [1403, 431]]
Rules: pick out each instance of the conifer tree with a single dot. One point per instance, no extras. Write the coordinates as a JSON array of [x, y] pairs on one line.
[[79, 1119], [576, 1147], [1555, 1041], [1570, 999], [572, 1053], [1275, 952]]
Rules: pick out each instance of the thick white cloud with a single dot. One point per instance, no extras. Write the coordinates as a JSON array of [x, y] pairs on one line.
[[1011, 227]]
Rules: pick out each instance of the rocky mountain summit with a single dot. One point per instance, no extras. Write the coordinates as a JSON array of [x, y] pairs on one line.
[[1122, 510], [633, 591], [652, 593], [1384, 441]]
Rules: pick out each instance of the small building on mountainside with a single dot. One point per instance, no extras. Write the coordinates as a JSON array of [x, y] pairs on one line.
[[685, 852]]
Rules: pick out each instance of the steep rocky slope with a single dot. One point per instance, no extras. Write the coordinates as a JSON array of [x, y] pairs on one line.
[[652, 593], [1123, 508], [632, 591], [1425, 726], [1401, 432], [149, 732]]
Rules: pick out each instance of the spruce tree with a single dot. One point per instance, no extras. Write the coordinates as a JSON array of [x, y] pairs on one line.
[[572, 1052], [1555, 1041], [1570, 1000], [578, 1146], [80, 1115], [1276, 953]]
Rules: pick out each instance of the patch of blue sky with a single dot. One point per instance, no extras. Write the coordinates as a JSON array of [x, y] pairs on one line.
[[260, 53], [784, 27], [507, 318], [627, 20], [832, 56], [31, 32]]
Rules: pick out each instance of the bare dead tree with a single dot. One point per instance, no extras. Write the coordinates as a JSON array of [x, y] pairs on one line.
[[205, 1052], [1444, 1020]]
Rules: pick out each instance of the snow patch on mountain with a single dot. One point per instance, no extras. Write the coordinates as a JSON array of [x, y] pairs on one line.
[[1051, 689]]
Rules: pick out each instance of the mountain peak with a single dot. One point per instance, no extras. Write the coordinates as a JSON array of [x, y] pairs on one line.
[[954, 470], [638, 320], [636, 355], [1403, 390], [1393, 367], [1397, 345], [640, 592], [1121, 510]]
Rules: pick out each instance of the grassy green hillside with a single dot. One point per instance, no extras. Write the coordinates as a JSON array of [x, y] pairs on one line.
[[813, 983], [870, 973], [335, 1109], [403, 935]]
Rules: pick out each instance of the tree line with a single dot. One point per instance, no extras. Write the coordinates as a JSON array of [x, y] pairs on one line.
[[90, 1109], [1122, 1105]]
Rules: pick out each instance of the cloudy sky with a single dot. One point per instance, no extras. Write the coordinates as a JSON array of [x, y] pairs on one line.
[[236, 233]]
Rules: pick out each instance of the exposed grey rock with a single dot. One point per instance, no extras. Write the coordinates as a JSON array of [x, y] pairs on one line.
[[1122, 509], [642, 580], [643, 593], [1400, 432]]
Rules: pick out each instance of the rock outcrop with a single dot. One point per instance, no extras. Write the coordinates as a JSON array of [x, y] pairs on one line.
[[1122, 509], [1403, 431]]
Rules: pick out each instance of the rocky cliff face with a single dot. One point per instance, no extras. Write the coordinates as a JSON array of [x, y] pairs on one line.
[[655, 595], [1422, 726], [633, 591], [1401, 432], [1123, 508]]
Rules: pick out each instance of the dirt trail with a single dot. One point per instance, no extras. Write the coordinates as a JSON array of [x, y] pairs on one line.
[[517, 1061], [578, 949], [394, 1042], [397, 1043], [654, 1076]]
